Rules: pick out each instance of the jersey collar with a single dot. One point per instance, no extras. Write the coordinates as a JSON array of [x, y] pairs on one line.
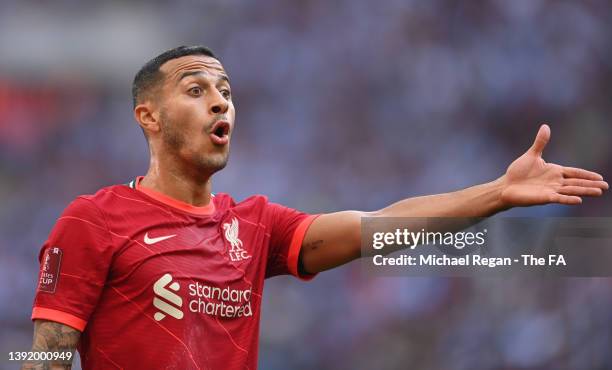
[[174, 203]]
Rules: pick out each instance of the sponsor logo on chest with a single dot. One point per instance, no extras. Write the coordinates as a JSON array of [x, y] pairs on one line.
[[164, 297], [199, 298]]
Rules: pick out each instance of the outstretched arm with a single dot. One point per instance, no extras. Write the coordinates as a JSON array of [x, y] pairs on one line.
[[53, 337], [335, 239]]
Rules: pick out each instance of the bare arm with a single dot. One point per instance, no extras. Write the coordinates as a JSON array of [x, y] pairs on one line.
[[335, 239], [51, 336]]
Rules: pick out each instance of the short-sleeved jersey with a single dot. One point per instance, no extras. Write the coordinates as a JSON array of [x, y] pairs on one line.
[[154, 283]]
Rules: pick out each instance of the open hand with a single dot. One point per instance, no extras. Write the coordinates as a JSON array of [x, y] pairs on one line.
[[530, 180]]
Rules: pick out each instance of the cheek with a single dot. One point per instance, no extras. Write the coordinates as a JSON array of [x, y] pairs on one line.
[[180, 123], [190, 108], [190, 115], [232, 113]]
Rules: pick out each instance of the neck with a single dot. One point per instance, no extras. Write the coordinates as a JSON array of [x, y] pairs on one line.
[[180, 185]]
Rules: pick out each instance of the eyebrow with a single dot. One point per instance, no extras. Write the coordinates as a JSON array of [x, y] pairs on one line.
[[193, 73]]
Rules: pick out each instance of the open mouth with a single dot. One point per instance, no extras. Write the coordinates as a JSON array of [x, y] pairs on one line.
[[220, 132]]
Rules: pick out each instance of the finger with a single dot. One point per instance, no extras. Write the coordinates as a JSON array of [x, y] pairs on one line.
[[565, 199], [541, 140], [569, 172], [580, 191], [586, 183]]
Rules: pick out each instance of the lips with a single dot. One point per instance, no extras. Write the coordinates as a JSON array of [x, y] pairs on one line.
[[219, 132]]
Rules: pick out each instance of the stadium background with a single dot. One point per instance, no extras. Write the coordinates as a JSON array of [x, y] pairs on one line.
[[350, 104]]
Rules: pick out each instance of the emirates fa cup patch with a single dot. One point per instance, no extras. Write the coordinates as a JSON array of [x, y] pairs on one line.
[[50, 270]]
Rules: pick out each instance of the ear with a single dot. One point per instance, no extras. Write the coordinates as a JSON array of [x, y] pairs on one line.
[[147, 117]]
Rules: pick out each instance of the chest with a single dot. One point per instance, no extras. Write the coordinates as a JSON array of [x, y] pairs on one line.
[[219, 252]]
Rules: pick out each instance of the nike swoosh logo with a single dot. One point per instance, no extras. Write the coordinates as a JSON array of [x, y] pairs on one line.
[[150, 241]]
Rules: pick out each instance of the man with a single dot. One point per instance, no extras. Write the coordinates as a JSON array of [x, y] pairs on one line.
[[162, 274]]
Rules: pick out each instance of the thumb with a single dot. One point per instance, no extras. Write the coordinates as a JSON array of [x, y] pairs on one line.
[[541, 140]]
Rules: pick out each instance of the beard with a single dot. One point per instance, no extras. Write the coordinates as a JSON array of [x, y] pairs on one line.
[[176, 143]]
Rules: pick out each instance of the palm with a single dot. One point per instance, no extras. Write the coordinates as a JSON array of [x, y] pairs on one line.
[[530, 180]]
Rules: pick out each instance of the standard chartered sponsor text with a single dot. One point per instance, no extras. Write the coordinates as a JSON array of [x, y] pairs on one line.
[[223, 302]]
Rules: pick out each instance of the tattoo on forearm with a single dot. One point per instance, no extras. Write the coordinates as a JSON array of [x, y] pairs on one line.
[[314, 245], [52, 337]]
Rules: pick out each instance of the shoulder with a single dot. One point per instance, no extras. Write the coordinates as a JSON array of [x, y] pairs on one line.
[[225, 201], [254, 207], [94, 205]]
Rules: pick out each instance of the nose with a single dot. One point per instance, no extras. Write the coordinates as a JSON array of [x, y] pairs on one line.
[[218, 104]]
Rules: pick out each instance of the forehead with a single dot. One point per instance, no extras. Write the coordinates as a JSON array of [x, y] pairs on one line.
[[174, 68]]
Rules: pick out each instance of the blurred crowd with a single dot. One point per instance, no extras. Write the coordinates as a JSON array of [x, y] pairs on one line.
[[350, 104]]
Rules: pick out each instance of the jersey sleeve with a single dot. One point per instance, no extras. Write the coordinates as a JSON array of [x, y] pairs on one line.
[[287, 230], [74, 263]]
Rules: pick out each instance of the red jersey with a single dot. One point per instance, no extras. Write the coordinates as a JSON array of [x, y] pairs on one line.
[[155, 283]]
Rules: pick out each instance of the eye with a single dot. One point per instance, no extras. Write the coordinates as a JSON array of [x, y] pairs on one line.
[[196, 90], [226, 93]]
